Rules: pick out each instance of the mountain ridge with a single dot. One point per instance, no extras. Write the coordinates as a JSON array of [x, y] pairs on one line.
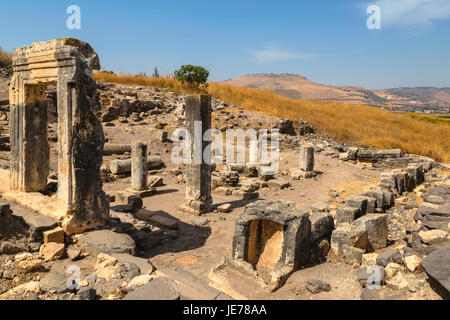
[[425, 99]]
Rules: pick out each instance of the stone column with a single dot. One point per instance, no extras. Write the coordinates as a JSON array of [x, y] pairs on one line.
[[139, 166], [198, 173], [30, 151], [307, 158]]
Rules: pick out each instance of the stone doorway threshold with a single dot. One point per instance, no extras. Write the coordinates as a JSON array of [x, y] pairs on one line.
[[47, 206], [236, 281]]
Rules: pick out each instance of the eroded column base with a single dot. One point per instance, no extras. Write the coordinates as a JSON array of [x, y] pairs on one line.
[[196, 207]]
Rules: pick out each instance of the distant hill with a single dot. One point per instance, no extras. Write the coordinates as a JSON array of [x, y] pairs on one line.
[[428, 98], [298, 87]]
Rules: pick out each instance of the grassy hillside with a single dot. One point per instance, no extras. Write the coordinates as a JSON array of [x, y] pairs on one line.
[[366, 126], [5, 58]]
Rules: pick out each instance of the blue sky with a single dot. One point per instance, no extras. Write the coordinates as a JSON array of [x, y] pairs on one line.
[[327, 41]]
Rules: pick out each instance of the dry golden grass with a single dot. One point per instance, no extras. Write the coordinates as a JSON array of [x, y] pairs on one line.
[[161, 82], [5, 58], [366, 126]]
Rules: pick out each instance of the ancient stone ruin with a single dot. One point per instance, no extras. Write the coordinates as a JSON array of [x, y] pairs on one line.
[[271, 240], [313, 228], [68, 64], [198, 171]]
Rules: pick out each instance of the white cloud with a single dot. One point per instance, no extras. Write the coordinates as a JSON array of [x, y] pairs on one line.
[[412, 13], [272, 54]]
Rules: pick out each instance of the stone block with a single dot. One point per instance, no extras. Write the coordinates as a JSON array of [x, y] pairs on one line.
[[345, 214], [55, 235], [377, 230], [359, 202], [349, 235]]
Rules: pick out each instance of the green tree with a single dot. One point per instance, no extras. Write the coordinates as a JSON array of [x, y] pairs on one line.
[[195, 76]]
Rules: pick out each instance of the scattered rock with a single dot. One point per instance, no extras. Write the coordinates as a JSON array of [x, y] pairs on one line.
[[433, 236], [225, 208], [51, 251], [376, 226], [398, 282], [315, 286], [412, 263], [389, 256], [436, 266], [54, 282], [56, 235], [87, 293], [161, 288], [108, 241]]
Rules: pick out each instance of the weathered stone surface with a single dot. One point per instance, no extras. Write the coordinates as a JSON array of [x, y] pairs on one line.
[[108, 242], [315, 286], [54, 282], [164, 221], [190, 287], [225, 208], [138, 282], [392, 269], [389, 153], [412, 262], [51, 251], [87, 293], [155, 181], [286, 127], [436, 265], [198, 173], [319, 207], [161, 288], [124, 166], [307, 158], [349, 235], [398, 282], [389, 199], [55, 235], [36, 222], [21, 291], [144, 265], [352, 153], [5, 209], [27, 262], [9, 248], [139, 166], [69, 63], [378, 194], [345, 214], [388, 256], [357, 202], [322, 225], [110, 149], [377, 230], [73, 253], [273, 234], [229, 178], [433, 236], [353, 255]]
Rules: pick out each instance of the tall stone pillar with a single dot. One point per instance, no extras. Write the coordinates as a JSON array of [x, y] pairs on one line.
[[30, 152], [139, 166], [307, 158], [198, 172]]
